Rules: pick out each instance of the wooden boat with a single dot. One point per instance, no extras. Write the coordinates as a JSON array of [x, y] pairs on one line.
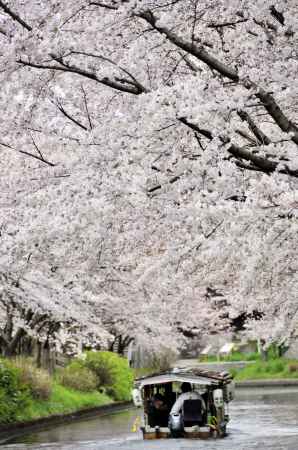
[[204, 417]]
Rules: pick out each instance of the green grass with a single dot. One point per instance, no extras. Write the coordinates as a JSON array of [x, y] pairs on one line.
[[62, 401], [235, 356], [278, 368], [143, 371]]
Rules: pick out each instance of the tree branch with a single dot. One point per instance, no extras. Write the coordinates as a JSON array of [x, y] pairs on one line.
[[103, 5], [38, 157], [262, 163], [86, 108], [195, 50], [84, 73], [199, 52], [71, 118], [14, 16], [277, 15], [189, 63], [277, 114], [192, 126], [261, 137], [159, 186], [246, 136], [227, 24], [133, 81], [258, 162]]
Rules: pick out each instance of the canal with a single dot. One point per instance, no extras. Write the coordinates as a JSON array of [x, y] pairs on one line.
[[261, 419]]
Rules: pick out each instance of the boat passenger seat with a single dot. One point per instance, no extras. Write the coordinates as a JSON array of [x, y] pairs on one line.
[[192, 413]]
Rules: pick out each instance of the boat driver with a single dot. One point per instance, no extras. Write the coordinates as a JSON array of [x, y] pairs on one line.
[[187, 394]]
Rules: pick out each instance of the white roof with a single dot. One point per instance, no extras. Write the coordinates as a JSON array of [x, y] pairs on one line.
[[200, 377], [169, 378]]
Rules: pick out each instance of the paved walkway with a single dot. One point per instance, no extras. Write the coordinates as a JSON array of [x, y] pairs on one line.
[[217, 365], [226, 365]]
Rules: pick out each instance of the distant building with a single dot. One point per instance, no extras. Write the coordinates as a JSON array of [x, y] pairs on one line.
[[227, 349]]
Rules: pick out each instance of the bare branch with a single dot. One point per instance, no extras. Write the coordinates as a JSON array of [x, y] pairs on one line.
[[259, 162], [195, 19], [103, 5], [63, 67], [189, 63], [277, 15], [262, 163], [73, 15], [205, 133], [86, 107], [38, 157], [199, 52], [133, 82], [247, 166], [261, 137], [14, 16], [226, 24], [246, 136], [159, 186], [68, 116], [195, 50], [36, 147], [277, 114]]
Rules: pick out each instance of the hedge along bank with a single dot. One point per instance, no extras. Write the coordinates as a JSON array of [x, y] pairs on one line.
[[99, 379], [14, 396]]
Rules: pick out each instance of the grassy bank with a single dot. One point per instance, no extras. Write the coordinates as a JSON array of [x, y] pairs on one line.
[[62, 401], [279, 368], [28, 392], [235, 356]]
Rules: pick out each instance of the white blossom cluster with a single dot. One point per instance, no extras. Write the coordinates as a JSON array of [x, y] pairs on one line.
[[148, 155]]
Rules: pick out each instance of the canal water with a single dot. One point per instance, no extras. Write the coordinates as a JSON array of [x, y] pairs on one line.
[[261, 419]]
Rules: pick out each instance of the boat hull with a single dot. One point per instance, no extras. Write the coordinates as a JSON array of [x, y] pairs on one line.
[[206, 434]]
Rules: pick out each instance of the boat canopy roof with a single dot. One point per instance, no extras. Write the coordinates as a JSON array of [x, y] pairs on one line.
[[201, 377]]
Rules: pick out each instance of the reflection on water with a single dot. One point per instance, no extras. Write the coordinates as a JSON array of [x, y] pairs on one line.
[[261, 419], [105, 427]]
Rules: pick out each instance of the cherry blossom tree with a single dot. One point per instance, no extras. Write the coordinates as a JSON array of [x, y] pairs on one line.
[[31, 312], [149, 153]]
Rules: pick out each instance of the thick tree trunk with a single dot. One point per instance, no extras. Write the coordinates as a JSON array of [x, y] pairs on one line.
[[9, 345]]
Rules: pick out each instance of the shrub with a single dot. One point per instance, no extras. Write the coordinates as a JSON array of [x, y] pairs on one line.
[[275, 366], [13, 396], [113, 373], [38, 381], [76, 376], [253, 356]]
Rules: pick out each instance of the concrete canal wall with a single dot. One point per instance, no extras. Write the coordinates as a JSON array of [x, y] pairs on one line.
[[267, 383]]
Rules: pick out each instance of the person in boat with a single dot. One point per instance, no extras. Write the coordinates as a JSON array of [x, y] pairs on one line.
[[187, 394], [158, 411]]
